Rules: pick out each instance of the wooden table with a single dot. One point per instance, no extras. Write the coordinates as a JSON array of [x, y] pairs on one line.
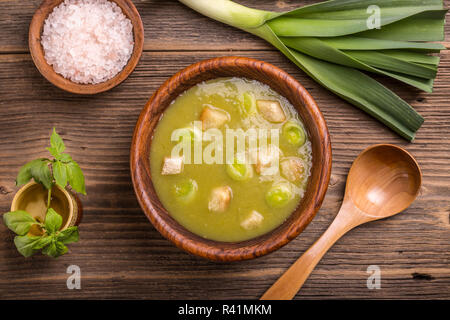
[[121, 255]]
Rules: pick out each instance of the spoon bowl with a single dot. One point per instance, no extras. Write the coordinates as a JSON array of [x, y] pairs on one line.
[[383, 181]]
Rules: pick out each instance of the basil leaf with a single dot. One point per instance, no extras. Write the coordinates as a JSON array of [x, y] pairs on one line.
[[60, 173], [25, 172], [19, 221], [50, 250], [53, 152], [57, 143], [52, 221], [41, 173], [25, 244], [68, 235], [64, 157], [61, 248], [43, 241], [55, 249], [76, 177]]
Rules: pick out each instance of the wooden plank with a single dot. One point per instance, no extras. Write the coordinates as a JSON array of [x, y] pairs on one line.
[[122, 256], [168, 26]]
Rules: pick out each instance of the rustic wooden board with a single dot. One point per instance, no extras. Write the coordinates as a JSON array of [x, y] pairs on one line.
[[122, 256]]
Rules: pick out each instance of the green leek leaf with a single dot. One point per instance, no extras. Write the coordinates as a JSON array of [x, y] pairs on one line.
[[315, 47], [361, 90], [338, 18], [331, 40], [357, 88], [344, 9], [426, 26], [412, 56], [359, 43], [386, 62]]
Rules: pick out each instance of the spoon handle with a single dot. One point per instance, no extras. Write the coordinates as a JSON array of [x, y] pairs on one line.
[[287, 286]]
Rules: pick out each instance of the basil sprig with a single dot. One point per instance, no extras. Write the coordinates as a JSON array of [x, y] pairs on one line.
[[65, 169], [61, 170], [52, 242]]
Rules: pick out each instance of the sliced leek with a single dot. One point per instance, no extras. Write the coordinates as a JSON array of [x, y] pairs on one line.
[[239, 171], [186, 190], [279, 195], [293, 133]]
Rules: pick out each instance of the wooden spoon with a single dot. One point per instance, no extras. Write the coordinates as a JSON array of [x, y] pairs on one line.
[[383, 181]]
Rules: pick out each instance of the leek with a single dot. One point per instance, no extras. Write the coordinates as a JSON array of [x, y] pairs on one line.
[[186, 190], [279, 196], [333, 43], [249, 103], [239, 171], [293, 133]]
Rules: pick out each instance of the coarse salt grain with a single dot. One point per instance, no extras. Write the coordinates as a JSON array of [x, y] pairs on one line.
[[87, 41]]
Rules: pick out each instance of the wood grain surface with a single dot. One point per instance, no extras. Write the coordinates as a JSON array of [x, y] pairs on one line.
[[121, 255]]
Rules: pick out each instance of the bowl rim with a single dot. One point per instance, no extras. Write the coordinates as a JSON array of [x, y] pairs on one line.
[[38, 57], [158, 215], [73, 206]]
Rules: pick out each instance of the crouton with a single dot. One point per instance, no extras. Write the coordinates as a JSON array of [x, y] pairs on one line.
[[271, 110], [213, 118], [220, 199], [267, 160], [252, 221], [292, 169], [172, 165]]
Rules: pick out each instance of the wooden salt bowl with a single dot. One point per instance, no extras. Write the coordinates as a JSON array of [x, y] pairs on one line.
[[37, 52]]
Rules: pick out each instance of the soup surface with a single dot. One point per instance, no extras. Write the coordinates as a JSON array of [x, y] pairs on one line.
[[258, 187]]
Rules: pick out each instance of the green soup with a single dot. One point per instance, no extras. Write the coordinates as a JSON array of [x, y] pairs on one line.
[[258, 187]]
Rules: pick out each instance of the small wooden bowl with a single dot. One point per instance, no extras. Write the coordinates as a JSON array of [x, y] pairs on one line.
[[279, 81], [37, 52], [73, 208]]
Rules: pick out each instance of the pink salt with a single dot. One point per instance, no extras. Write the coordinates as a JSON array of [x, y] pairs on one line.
[[87, 41]]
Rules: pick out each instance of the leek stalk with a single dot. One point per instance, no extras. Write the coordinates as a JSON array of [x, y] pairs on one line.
[[333, 43]]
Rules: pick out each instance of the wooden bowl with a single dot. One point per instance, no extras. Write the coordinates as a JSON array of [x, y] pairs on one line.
[[315, 125], [37, 52], [71, 213]]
